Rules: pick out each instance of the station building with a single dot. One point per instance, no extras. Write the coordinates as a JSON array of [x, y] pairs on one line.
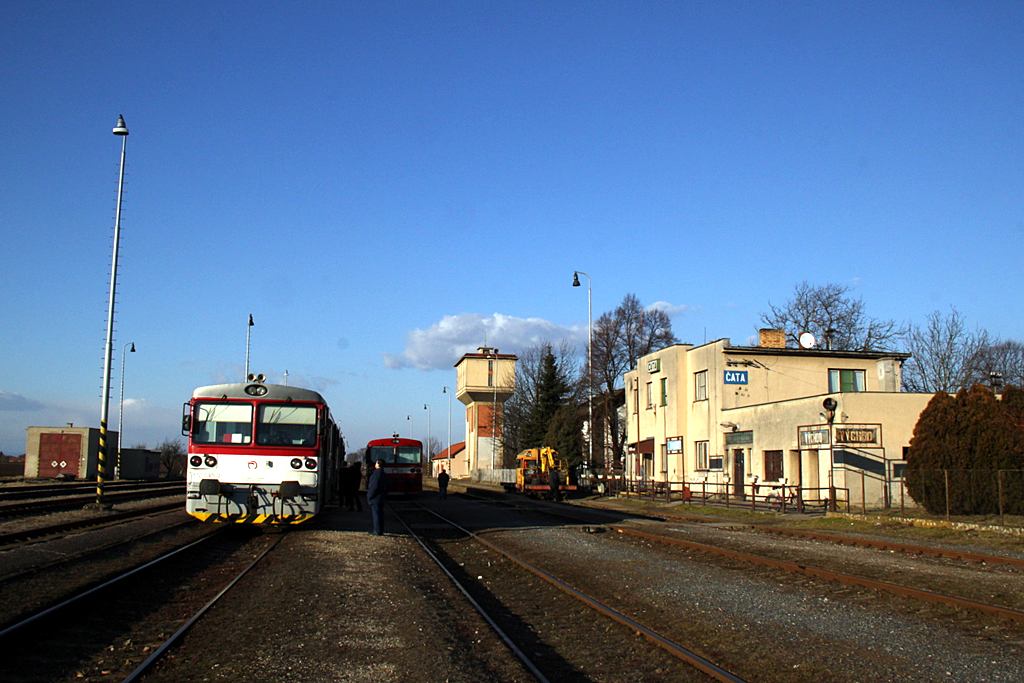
[[740, 420]]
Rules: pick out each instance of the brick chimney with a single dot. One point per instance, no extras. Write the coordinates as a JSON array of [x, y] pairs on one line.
[[773, 339]]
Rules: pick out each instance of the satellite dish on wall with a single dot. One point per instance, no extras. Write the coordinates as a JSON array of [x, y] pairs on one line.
[[807, 340]]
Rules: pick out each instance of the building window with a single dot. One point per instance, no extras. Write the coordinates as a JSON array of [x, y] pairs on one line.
[[650, 395], [700, 385], [773, 465], [664, 391], [490, 373], [701, 450], [845, 380]]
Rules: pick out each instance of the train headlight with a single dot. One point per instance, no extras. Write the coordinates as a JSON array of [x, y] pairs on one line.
[[310, 464], [210, 461], [195, 461], [296, 464]]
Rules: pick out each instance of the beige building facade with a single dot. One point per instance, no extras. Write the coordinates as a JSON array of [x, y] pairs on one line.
[[742, 420]]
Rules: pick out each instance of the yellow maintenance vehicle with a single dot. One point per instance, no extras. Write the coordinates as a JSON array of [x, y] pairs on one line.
[[533, 472]]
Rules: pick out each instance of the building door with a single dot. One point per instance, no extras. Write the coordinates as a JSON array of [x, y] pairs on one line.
[[739, 473], [59, 454]]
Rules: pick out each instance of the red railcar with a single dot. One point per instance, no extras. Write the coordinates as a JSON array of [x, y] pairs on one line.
[[260, 453], [403, 462]]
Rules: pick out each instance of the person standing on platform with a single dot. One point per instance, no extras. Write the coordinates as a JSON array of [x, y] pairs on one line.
[[352, 478], [376, 496], [553, 483], [442, 483]]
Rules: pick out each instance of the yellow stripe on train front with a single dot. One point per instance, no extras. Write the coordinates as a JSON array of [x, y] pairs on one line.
[[249, 519]]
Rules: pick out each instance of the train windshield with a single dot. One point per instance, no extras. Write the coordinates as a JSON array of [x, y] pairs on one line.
[[223, 423], [286, 425], [404, 455]]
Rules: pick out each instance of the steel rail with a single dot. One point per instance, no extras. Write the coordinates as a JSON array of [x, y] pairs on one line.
[[527, 662], [54, 504], [159, 652], [829, 575], [39, 533], [106, 584], [55, 490], [880, 544], [686, 655], [877, 544]]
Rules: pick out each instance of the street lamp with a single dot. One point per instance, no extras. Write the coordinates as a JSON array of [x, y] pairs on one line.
[[101, 465], [412, 426], [429, 460], [248, 330], [120, 412], [590, 372], [446, 390]]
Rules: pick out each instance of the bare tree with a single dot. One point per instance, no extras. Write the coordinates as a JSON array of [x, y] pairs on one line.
[[620, 337], [432, 447], [943, 355], [172, 458], [837, 320], [998, 364]]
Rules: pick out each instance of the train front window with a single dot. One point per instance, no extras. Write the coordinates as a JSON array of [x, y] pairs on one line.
[[409, 455], [286, 425], [223, 423]]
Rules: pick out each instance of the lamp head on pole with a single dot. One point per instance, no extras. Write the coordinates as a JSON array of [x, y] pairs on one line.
[[120, 129], [575, 279], [133, 348]]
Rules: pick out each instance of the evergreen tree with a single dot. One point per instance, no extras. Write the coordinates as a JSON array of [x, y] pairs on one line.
[[552, 390]]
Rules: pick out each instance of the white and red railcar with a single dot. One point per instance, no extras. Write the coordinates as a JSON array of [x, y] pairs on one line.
[[260, 453]]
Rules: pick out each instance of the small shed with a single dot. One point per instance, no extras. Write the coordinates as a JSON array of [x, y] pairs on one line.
[[67, 452]]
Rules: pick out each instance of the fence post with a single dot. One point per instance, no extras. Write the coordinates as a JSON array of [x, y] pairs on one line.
[[753, 496], [946, 475], [863, 494], [903, 487]]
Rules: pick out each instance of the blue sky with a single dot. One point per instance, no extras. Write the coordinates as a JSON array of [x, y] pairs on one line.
[[385, 186]]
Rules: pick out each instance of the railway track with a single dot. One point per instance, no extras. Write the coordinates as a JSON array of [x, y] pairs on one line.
[[50, 503], [690, 657], [132, 613]]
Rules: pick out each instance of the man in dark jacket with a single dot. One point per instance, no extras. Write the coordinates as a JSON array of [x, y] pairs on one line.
[[376, 496], [553, 484], [442, 484]]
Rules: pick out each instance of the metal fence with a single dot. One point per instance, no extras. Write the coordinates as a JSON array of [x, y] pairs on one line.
[[968, 492], [755, 497]]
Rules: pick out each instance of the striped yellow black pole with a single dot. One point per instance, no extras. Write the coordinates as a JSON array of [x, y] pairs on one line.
[[101, 465]]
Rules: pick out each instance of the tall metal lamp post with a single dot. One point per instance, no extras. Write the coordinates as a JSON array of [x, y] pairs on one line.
[[101, 468], [248, 331], [430, 461], [120, 411], [446, 390], [590, 371]]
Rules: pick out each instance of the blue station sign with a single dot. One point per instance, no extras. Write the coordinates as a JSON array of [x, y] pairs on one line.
[[735, 376]]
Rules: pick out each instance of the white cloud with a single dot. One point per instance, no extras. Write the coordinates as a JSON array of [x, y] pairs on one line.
[[443, 343], [671, 310], [17, 402]]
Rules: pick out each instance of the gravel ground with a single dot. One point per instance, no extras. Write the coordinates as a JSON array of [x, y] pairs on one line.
[[758, 621], [334, 603]]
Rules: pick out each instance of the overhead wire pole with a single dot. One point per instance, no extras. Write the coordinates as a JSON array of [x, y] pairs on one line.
[[101, 465]]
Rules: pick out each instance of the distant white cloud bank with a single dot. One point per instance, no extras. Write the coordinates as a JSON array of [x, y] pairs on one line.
[[443, 343]]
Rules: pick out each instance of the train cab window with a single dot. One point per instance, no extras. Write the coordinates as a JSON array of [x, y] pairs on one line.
[[408, 454], [286, 425], [223, 423]]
